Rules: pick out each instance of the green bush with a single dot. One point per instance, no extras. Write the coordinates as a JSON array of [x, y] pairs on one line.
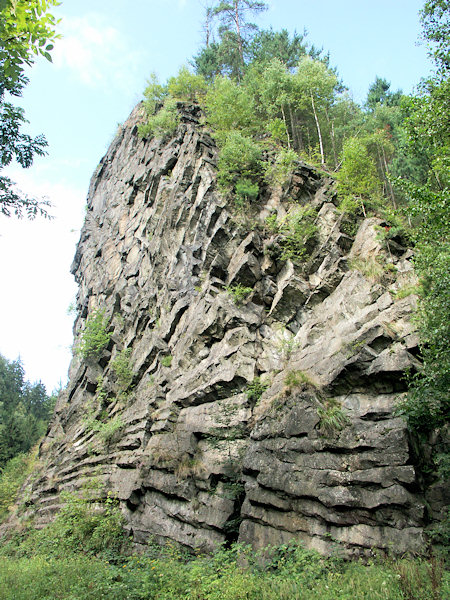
[[359, 186], [246, 191], [187, 86], [163, 123], [12, 477], [287, 572], [239, 292], [297, 232], [84, 525], [104, 427], [282, 168], [123, 370], [256, 389], [240, 158], [166, 361], [95, 337]]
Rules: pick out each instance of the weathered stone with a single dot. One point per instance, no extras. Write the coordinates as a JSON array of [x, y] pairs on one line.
[[193, 447]]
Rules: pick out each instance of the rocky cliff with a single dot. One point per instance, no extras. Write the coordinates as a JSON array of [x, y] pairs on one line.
[[240, 396]]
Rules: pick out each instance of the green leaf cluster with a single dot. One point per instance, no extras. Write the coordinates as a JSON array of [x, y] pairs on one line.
[[95, 336], [27, 30]]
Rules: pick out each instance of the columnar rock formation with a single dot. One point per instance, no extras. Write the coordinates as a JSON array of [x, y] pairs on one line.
[[259, 414]]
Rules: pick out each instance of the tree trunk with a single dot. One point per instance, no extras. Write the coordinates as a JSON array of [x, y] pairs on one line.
[[333, 144], [238, 31], [286, 127], [318, 129]]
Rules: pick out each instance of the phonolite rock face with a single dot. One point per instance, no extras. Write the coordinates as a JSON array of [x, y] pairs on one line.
[[256, 395]]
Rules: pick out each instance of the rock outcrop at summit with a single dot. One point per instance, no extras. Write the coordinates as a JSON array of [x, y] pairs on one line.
[[260, 404]]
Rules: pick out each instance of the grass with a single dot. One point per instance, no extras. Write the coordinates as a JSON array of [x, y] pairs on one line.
[[332, 418], [289, 572]]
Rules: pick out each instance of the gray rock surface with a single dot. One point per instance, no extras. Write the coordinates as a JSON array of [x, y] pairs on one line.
[[195, 458]]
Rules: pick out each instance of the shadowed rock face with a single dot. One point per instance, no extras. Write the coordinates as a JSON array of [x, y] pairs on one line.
[[192, 456]]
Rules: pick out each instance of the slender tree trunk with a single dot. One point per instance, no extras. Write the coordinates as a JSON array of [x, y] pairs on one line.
[[333, 144], [318, 129], [286, 127], [293, 129], [389, 185], [238, 31]]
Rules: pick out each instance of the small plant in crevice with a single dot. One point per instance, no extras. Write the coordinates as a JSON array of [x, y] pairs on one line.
[[296, 379], [122, 368], [408, 290], [370, 267], [166, 361], [188, 466], [102, 425], [332, 418], [296, 232], [238, 293], [286, 346], [255, 390], [95, 336]]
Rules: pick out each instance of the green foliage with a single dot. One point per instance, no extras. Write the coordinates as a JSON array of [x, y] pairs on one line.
[[436, 31], [256, 389], [240, 158], [287, 572], [166, 361], [12, 477], [358, 182], [332, 418], [123, 370], [27, 30], [296, 379], [283, 167], [229, 107], [407, 290], [103, 426], [85, 524], [25, 410], [187, 86], [238, 292], [154, 95], [163, 123], [95, 337], [296, 231], [246, 191]]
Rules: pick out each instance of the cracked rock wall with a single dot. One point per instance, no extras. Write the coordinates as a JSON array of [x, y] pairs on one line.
[[192, 454]]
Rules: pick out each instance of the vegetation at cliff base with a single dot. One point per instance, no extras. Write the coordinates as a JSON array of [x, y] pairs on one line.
[[83, 554]]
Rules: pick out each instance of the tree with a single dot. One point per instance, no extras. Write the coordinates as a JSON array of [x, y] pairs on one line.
[[380, 94], [315, 84], [25, 410], [233, 15], [227, 56], [435, 17], [26, 30], [426, 126]]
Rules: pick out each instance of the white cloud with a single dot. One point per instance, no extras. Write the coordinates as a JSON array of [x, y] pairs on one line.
[[97, 53]]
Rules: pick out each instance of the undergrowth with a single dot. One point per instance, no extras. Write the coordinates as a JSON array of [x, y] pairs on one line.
[[84, 554]]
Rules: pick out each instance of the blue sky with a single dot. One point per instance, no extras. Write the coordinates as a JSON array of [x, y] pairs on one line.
[[99, 70]]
